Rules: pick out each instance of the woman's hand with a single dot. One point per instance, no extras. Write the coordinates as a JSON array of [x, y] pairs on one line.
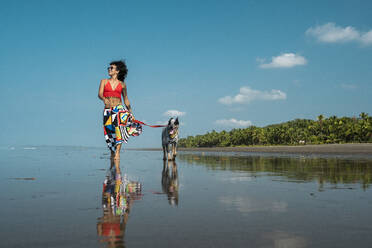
[[132, 115]]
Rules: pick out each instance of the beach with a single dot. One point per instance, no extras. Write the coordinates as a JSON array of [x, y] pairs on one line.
[[56, 196], [331, 149]]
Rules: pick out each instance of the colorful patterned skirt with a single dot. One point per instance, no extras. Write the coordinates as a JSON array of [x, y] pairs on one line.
[[118, 126]]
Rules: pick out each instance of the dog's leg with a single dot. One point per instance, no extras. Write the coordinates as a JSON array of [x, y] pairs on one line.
[[164, 157], [165, 170], [171, 151], [174, 150], [168, 153], [174, 171]]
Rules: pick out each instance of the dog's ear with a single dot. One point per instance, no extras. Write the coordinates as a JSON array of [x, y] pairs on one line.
[[170, 121], [176, 122]]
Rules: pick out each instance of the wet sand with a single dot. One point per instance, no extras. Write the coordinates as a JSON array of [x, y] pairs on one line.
[[336, 149], [212, 200]]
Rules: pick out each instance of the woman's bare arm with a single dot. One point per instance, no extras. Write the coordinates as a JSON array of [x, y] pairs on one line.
[[125, 97], [100, 90]]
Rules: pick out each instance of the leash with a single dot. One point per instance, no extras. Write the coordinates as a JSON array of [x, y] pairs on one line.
[[142, 123]]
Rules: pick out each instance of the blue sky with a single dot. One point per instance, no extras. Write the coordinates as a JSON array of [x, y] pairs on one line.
[[219, 64]]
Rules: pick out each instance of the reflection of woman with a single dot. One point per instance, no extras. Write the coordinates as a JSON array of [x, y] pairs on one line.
[[117, 197], [111, 226], [116, 120]]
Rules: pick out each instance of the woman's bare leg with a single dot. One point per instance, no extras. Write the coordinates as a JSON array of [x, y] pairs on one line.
[[117, 166], [117, 152], [112, 160]]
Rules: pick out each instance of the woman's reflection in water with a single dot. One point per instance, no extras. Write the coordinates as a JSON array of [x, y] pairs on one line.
[[117, 199], [169, 182]]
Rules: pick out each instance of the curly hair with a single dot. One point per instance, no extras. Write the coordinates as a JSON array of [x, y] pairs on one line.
[[122, 68]]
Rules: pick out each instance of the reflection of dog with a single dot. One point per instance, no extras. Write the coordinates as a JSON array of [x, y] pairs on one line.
[[169, 182], [169, 137]]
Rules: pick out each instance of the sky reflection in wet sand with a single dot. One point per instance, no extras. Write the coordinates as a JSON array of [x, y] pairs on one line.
[[201, 200]]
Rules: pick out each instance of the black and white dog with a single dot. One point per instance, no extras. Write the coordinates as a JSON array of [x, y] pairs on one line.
[[169, 137]]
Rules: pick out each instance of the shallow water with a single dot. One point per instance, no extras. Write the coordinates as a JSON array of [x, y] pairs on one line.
[[52, 197]]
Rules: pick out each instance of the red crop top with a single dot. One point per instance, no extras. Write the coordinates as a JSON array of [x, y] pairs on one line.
[[109, 92]]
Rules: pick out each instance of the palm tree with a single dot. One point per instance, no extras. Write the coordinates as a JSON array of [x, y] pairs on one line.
[[363, 116]]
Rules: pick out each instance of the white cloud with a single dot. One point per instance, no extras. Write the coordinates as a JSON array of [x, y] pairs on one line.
[[285, 60], [249, 205], [173, 113], [246, 95], [284, 239], [349, 86], [237, 179], [260, 60], [366, 38], [233, 123], [331, 33], [297, 83]]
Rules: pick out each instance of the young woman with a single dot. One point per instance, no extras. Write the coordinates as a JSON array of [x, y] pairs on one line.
[[118, 122]]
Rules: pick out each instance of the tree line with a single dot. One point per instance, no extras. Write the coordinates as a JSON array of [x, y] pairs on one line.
[[298, 131]]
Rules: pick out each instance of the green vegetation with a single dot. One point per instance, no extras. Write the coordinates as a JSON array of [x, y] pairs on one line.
[[299, 131]]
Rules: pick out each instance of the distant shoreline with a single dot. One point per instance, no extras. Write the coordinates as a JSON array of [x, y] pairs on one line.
[[336, 149]]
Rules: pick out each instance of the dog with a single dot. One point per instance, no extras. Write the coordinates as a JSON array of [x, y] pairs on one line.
[[169, 137]]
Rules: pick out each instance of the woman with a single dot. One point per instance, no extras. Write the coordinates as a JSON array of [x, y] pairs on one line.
[[118, 122]]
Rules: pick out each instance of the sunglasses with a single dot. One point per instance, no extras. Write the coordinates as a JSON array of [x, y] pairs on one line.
[[110, 68]]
